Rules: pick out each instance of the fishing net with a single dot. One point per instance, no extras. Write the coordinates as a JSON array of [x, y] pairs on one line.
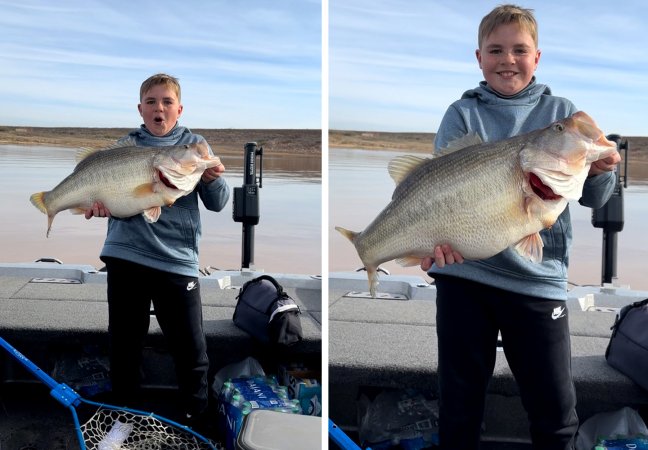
[[111, 429]]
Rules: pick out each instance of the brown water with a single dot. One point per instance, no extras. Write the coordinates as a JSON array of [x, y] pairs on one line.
[[287, 239], [360, 187]]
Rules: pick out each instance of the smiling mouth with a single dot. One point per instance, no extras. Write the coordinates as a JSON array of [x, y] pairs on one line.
[[507, 74]]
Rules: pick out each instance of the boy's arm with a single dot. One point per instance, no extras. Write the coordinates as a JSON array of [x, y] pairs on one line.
[[214, 194], [597, 190]]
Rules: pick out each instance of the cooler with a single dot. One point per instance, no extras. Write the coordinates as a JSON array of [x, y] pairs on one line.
[[272, 430]]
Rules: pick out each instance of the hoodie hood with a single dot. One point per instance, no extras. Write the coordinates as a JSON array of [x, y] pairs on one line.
[[145, 138], [527, 96]]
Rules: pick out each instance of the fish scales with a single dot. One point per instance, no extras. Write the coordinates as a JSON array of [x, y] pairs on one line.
[[482, 198], [450, 211], [109, 173], [129, 180]]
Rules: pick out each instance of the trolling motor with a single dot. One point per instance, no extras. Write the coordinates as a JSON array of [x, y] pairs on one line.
[[609, 217], [246, 201]]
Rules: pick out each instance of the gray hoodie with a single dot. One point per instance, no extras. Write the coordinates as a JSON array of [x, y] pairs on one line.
[[495, 117], [171, 243]]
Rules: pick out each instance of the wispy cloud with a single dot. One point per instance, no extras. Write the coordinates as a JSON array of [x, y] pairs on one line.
[[397, 66], [80, 63]]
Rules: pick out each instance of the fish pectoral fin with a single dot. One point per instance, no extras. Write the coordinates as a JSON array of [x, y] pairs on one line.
[[78, 210], [151, 215], [401, 166], [409, 261], [531, 247], [144, 190]]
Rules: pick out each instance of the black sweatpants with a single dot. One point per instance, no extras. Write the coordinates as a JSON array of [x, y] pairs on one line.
[[178, 309], [536, 342]]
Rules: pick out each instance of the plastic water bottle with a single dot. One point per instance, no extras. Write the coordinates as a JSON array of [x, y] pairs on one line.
[[114, 439], [296, 406], [237, 400], [246, 408], [226, 390], [282, 392]]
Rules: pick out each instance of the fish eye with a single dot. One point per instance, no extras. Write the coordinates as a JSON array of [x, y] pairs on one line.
[[559, 127]]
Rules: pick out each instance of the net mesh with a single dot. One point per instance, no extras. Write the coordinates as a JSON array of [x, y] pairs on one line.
[[111, 429]]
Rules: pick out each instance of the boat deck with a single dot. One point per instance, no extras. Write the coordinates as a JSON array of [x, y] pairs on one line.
[[391, 343], [53, 312], [50, 312]]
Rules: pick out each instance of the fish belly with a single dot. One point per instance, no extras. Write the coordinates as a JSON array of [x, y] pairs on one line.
[[111, 181], [475, 205]]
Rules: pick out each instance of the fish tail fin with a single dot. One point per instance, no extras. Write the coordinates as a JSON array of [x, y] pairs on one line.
[[372, 275], [372, 271], [350, 235], [38, 200]]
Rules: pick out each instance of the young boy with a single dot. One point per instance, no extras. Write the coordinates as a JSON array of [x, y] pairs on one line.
[[158, 262], [522, 300]]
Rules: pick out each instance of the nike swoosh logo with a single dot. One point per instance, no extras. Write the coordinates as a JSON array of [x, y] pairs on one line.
[[558, 313], [191, 286]]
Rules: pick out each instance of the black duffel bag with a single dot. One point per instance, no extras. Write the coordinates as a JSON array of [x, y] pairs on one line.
[[267, 313], [628, 348]]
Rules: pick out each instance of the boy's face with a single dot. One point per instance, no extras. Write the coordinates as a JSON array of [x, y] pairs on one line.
[[508, 58], [160, 109]]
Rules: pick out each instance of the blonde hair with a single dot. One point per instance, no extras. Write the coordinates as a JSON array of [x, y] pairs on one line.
[[160, 78], [504, 15]]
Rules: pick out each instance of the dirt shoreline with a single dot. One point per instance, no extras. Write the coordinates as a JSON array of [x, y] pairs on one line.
[[222, 140], [423, 142], [275, 140]]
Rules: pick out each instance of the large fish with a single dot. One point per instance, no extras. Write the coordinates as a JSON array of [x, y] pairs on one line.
[[128, 180], [482, 198]]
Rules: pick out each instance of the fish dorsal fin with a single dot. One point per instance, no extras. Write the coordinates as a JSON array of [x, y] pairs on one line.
[[467, 140], [83, 153], [401, 166], [127, 141]]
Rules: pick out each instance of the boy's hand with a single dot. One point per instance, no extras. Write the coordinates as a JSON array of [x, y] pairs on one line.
[[605, 165], [98, 210], [212, 173], [443, 254]]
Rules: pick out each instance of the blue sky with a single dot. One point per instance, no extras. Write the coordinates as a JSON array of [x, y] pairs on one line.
[[241, 64], [397, 65]]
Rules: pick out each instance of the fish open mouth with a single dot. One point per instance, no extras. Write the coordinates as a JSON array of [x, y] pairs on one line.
[[166, 181], [540, 189]]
